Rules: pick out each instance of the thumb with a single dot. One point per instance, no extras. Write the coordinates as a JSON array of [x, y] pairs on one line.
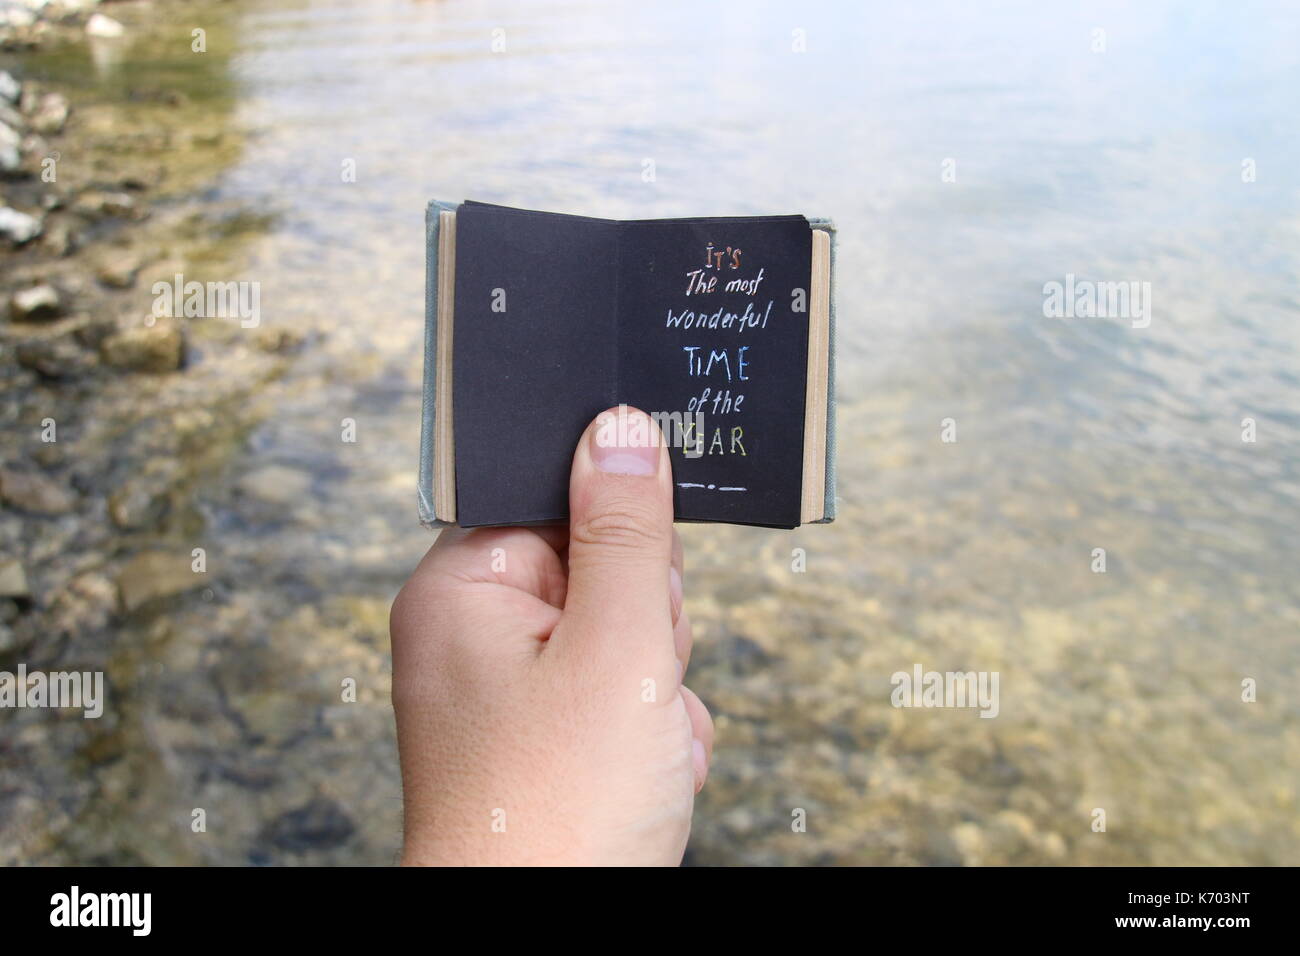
[[620, 533]]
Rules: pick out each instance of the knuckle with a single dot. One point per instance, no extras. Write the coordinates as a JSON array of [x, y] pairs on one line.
[[625, 525]]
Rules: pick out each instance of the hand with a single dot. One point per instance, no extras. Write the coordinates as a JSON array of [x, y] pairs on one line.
[[537, 673]]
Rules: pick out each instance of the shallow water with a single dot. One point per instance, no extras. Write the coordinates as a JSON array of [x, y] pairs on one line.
[[1120, 690]]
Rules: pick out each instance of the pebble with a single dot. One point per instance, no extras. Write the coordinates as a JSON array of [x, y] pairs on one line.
[[318, 825], [34, 492], [38, 302], [118, 270], [160, 348], [276, 485], [10, 157], [155, 575], [9, 87], [54, 356], [102, 26], [18, 226], [84, 606], [13, 579], [50, 114], [97, 203], [142, 500]]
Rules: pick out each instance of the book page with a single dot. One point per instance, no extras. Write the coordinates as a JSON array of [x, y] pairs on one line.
[[713, 341]]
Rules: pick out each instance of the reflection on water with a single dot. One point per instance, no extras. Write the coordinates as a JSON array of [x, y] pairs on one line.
[[1119, 691]]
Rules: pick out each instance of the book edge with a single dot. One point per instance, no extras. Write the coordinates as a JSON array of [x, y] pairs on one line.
[[812, 488], [428, 452], [829, 509]]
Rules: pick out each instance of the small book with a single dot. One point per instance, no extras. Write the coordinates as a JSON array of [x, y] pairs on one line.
[[721, 329]]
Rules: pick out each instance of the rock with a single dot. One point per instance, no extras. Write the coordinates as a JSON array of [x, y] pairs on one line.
[[38, 302], [275, 485], [16, 15], [55, 356], [280, 341], [59, 239], [157, 348], [320, 824], [34, 492], [9, 87], [745, 655], [13, 580], [84, 606], [101, 26], [33, 150], [118, 270], [153, 576], [77, 6], [12, 118], [97, 204], [10, 157], [91, 330], [18, 226], [143, 499], [50, 114], [968, 838]]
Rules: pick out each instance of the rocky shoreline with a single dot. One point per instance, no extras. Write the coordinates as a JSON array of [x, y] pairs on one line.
[[67, 264], [112, 415]]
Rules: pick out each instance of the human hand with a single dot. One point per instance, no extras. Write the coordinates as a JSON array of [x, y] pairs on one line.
[[541, 717]]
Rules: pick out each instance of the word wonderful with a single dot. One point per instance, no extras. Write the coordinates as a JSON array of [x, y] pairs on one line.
[[721, 319]]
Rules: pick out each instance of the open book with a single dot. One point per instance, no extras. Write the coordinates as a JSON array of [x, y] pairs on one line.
[[719, 328]]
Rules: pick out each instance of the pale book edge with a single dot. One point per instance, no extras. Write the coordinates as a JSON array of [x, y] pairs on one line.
[[813, 496], [444, 472]]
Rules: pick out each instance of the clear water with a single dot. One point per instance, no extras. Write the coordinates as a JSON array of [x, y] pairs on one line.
[[1120, 691]]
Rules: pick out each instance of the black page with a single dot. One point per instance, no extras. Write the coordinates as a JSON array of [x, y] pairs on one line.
[[585, 328], [751, 469], [527, 381]]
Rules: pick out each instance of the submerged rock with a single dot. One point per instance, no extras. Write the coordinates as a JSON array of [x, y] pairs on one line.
[[54, 355], [38, 302], [99, 204], [13, 579], [84, 606], [143, 499], [321, 824], [9, 87], [18, 226], [10, 156], [157, 348], [34, 492], [275, 485], [102, 26], [50, 114], [118, 270], [154, 575]]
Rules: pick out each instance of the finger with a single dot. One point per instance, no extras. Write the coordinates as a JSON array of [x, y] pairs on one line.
[[683, 639], [620, 535], [701, 734], [675, 584]]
